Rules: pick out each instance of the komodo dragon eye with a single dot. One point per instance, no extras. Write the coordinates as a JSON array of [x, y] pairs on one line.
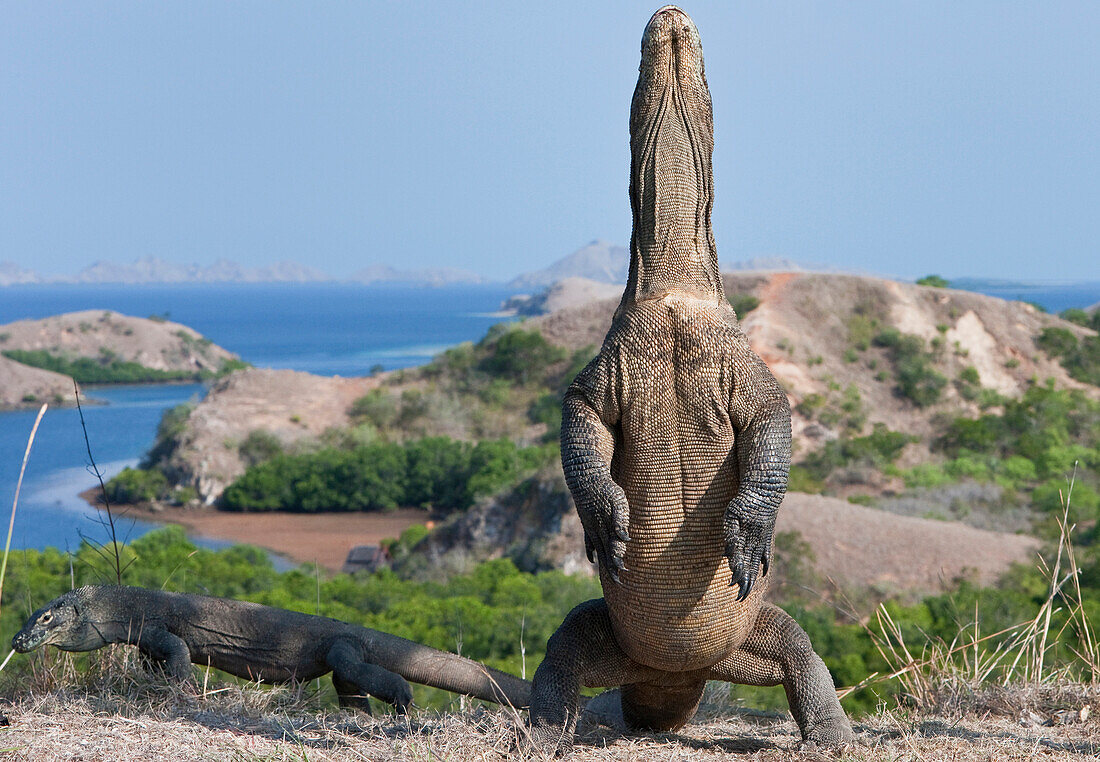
[[46, 618]]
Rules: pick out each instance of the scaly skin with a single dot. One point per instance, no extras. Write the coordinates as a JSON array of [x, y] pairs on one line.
[[259, 643], [676, 445]]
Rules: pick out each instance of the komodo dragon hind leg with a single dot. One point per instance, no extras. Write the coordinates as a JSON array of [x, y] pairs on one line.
[[356, 679], [778, 652], [582, 652]]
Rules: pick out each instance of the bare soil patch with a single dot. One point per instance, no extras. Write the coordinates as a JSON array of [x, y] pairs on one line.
[[875, 548], [321, 538]]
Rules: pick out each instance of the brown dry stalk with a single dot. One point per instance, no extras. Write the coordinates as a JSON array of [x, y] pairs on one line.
[[15, 501]]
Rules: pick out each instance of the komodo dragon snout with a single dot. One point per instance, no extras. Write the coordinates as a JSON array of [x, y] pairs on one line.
[[58, 623]]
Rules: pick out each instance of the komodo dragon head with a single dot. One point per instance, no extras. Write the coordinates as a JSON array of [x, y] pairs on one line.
[[63, 622], [671, 183]]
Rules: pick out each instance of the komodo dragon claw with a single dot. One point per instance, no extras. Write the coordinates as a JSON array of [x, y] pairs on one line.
[[748, 548], [605, 516]]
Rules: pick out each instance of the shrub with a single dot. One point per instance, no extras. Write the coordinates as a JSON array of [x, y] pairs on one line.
[[743, 304], [106, 369], [520, 354], [1076, 315], [877, 449], [259, 446], [376, 407], [1057, 342], [1081, 359], [917, 379], [173, 423], [436, 472], [134, 485], [547, 410], [933, 280]]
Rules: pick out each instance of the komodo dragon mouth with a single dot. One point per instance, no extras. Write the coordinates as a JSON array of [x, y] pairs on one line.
[[671, 182]]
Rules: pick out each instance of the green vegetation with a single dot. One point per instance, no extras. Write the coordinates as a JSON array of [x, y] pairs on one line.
[[503, 617], [520, 355], [1029, 448], [743, 304], [875, 450], [106, 369], [1078, 316], [968, 383], [435, 472], [933, 280], [259, 446], [917, 380], [133, 485], [173, 423], [835, 408], [1080, 357]]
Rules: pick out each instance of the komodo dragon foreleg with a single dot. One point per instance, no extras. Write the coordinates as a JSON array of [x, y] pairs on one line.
[[761, 415], [587, 446], [166, 651], [355, 679]]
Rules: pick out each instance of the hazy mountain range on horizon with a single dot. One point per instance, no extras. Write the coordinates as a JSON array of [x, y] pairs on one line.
[[598, 260]]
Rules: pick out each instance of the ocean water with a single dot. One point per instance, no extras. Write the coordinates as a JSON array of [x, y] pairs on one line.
[[324, 328], [1053, 297], [328, 329]]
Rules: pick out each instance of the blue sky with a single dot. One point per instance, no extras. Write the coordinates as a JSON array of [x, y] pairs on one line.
[[899, 138]]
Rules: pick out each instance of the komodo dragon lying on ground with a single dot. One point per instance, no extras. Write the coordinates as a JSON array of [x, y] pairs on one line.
[[676, 444], [259, 643]]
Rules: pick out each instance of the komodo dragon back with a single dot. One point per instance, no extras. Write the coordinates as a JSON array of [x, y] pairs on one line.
[[676, 446]]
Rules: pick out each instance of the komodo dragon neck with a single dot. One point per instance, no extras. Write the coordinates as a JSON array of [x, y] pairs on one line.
[[671, 182]]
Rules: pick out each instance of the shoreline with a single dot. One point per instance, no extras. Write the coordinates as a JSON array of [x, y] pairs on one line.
[[304, 538]]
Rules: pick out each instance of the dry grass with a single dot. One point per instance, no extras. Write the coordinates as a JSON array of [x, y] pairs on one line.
[[119, 713], [1018, 655]]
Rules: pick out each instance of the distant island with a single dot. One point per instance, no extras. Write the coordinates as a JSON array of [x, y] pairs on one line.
[[148, 270], [599, 261], [40, 359]]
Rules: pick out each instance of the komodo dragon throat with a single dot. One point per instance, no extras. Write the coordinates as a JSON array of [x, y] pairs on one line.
[[259, 643], [676, 443]]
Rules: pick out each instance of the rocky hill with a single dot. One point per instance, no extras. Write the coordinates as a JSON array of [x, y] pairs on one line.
[[156, 270], [818, 331], [429, 276], [290, 405], [24, 386], [103, 343]]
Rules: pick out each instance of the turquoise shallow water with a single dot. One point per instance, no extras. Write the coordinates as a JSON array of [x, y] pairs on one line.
[[330, 329]]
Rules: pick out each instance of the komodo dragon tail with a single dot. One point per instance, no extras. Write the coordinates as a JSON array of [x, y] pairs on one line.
[[439, 669]]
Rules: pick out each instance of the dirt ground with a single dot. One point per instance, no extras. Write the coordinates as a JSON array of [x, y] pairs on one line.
[[322, 538], [235, 724]]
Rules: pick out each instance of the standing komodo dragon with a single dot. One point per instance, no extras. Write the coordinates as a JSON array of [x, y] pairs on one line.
[[259, 643], [676, 447]]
